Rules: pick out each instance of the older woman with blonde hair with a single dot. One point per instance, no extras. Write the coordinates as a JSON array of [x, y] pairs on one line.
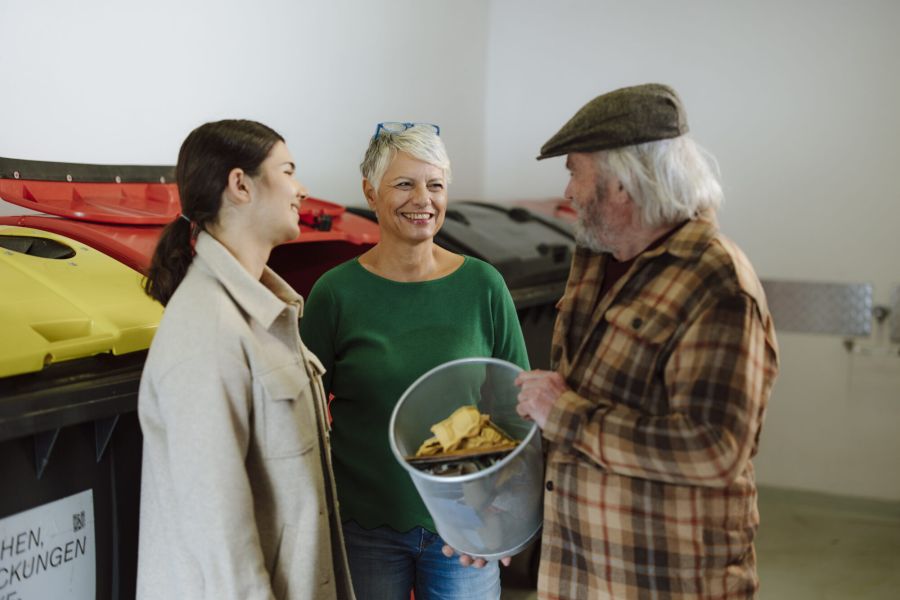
[[380, 321]]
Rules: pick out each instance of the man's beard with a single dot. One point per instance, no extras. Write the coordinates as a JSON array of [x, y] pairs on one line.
[[589, 225]]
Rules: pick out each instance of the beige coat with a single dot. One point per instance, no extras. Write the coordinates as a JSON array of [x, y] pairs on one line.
[[237, 496]]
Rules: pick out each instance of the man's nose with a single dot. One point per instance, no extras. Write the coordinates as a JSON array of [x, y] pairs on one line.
[[569, 193]]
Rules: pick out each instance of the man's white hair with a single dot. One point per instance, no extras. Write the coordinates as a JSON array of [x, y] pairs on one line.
[[670, 180]]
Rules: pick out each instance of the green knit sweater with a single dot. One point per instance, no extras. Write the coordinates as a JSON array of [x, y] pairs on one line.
[[375, 337]]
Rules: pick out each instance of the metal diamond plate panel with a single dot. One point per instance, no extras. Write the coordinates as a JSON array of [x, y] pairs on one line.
[[895, 315], [811, 307]]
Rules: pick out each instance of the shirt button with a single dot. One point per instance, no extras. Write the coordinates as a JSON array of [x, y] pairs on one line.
[[549, 486], [636, 324]]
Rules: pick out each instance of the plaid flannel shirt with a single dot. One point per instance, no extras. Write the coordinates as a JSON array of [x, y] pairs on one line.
[[650, 491]]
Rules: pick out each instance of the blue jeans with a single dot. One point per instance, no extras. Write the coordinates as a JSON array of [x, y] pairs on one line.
[[386, 565]]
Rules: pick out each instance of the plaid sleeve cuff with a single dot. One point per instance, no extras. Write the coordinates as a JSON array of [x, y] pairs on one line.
[[567, 416]]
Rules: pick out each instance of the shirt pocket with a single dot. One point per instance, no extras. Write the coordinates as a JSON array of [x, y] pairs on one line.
[[634, 350], [641, 323], [289, 428]]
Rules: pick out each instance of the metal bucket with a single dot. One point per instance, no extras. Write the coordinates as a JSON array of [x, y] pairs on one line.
[[491, 513]]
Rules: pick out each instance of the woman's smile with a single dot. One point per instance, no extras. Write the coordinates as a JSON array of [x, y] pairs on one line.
[[417, 217]]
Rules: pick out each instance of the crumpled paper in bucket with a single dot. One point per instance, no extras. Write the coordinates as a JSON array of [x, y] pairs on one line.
[[465, 429]]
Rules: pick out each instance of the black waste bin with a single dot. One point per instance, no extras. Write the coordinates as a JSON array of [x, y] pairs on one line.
[[71, 449]]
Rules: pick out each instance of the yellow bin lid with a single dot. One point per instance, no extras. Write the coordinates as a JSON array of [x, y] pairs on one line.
[[62, 300]]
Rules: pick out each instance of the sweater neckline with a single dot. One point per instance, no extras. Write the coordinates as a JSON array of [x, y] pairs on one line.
[[411, 283]]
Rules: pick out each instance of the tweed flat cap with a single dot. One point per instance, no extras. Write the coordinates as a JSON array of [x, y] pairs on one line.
[[623, 117]]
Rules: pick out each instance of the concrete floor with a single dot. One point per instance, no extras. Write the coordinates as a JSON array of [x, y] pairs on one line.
[[816, 547]]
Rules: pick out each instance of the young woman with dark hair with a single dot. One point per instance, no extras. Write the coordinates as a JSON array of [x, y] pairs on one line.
[[237, 496]]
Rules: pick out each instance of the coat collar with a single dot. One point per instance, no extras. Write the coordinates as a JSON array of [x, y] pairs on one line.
[[688, 242], [264, 303], [691, 239]]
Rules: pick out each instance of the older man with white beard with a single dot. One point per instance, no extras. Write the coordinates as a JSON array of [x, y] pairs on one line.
[[664, 356]]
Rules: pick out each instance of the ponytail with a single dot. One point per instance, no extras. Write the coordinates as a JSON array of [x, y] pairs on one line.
[[205, 159], [171, 259]]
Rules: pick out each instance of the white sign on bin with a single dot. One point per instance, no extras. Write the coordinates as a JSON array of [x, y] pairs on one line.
[[48, 551]]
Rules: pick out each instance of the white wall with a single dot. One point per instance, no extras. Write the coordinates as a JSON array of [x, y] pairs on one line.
[[800, 102], [124, 81]]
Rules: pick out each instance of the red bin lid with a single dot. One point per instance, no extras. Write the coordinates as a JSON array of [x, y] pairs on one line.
[[120, 203], [114, 194], [120, 209]]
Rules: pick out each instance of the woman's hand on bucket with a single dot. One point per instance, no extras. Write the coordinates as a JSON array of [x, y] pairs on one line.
[[466, 560]]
